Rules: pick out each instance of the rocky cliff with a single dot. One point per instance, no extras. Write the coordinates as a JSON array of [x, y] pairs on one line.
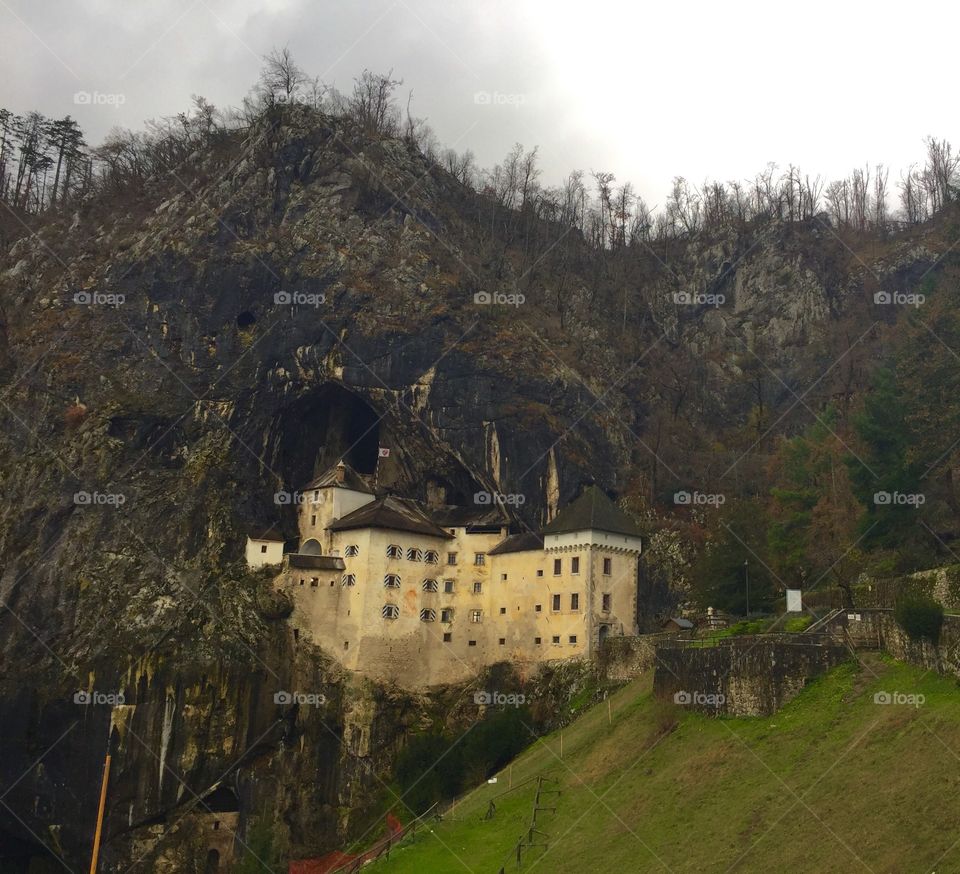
[[174, 357]]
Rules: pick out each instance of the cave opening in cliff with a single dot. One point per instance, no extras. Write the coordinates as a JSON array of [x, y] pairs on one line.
[[317, 430]]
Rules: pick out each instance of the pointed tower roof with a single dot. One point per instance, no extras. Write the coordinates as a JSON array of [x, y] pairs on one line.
[[342, 476], [592, 510]]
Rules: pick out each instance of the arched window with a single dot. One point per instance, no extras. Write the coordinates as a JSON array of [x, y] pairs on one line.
[[352, 550], [391, 581], [348, 580], [431, 556], [390, 611], [394, 551], [413, 554], [430, 586], [428, 615]]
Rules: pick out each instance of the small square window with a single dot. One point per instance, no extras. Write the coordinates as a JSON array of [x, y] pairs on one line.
[[447, 636], [314, 582], [573, 638], [540, 572], [556, 638], [538, 608], [503, 641], [503, 611], [557, 567], [471, 643], [537, 641]]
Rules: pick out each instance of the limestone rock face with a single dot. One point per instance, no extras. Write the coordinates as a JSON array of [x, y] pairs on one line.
[[175, 359]]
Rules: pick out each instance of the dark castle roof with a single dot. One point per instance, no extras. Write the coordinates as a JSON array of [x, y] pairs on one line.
[[397, 514], [593, 509], [270, 533], [525, 542], [479, 516], [351, 480], [315, 562]]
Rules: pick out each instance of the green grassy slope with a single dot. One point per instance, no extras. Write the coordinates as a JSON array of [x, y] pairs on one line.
[[834, 782]]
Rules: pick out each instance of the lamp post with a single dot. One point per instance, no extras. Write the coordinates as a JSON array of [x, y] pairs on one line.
[[746, 576]]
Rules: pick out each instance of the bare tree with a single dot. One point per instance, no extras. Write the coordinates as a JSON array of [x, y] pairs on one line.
[[280, 78]]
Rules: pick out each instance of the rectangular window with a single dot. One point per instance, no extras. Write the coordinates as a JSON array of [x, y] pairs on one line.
[[502, 576], [447, 637], [575, 602], [448, 586], [316, 495], [476, 615], [314, 581], [301, 582], [263, 548], [573, 638], [446, 614], [503, 641], [556, 603], [537, 641], [503, 610], [606, 602], [451, 558], [556, 638], [538, 608], [471, 643], [607, 566], [313, 519], [557, 567], [479, 558], [575, 564], [540, 572], [477, 587]]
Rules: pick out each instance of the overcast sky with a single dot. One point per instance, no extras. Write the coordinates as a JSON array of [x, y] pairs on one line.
[[646, 92]]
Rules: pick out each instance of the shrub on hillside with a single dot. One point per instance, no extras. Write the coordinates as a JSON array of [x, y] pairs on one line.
[[920, 616]]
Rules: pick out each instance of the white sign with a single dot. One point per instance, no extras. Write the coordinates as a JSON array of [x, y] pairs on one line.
[[794, 601], [383, 452]]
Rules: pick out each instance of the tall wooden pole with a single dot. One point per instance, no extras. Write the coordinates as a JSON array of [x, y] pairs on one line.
[[103, 804]]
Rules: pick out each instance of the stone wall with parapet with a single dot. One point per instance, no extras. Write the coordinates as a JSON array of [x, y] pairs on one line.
[[750, 675]]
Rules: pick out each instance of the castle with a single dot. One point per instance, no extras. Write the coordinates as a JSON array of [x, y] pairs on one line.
[[421, 596]]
